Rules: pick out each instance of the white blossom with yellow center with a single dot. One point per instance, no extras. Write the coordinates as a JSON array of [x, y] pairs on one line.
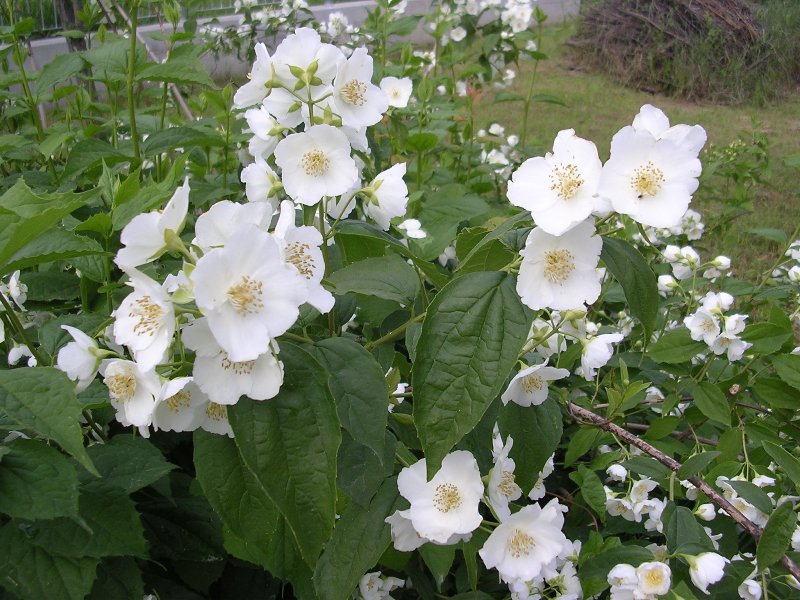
[[358, 101], [560, 272], [447, 505], [651, 176], [301, 248], [559, 188], [315, 163], [145, 320], [526, 542], [248, 292], [654, 578], [224, 380], [133, 391], [529, 387], [398, 91]]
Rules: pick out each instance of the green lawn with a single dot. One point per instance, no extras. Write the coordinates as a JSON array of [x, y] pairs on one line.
[[596, 107]]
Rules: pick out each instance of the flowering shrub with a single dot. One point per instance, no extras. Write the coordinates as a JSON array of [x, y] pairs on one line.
[[404, 358]]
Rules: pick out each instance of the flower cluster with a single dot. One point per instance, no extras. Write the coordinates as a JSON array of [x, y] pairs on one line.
[[528, 547], [718, 330]]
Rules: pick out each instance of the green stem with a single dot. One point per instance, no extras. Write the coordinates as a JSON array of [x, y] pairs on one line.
[[394, 333], [297, 338], [131, 69], [529, 97]]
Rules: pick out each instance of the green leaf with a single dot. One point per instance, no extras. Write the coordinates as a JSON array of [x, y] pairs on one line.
[[25, 215], [47, 286], [183, 137], [787, 462], [128, 464], [592, 490], [238, 498], [420, 142], [580, 443], [290, 445], [388, 277], [777, 535], [360, 471], [439, 560], [694, 464], [773, 392], [682, 530], [753, 494], [536, 431], [31, 572], [360, 538], [491, 257], [442, 212], [674, 347], [184, 70], [109, 525], [37, 482], [182, 528], [768, 233], [636, 278], [360, 229], [58, 70], [54, 244], [647, 466], [42, 399], [118, 578], [788, 369], [767, 338], [496, 233], [111, 58], [91, 153], [359, 389], [711, 402], [470, 340]]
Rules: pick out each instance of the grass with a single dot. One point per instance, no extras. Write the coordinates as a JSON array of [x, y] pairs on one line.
[[597, 107]]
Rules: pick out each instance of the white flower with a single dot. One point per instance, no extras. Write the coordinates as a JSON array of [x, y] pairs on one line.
[[448, 503], [749, 590], [247, 291], [358, 101], [617, 472], [316, 163], [538, 491], [560, 272], [413, 229], [652, 119], [261, 183], [597, 351], [622, 578], [559, 188], [502, 487], [654, 578], [145, 320], [301, 248], [529, 386], [650, 179], [706, 568], [497, 129], [458, 33], [666, 285], [17, 290], [215, 419], [80, 358], [398, 91], [133, 391], [180, 407], [215, 226], [524, 543], [713, 301], [707, 512], [388, 196], [146, 236], [703, 326], [224, 380], [301, 49], [255, 90], [404, 537], [375, 587]]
